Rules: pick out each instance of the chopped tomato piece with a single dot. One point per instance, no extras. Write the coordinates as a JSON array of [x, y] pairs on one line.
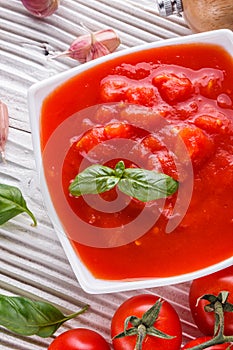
[[172, 88], [152, 143], [91, 139], [118, 130], [110, 131], [183, 112], [112, 89], [210, 87], [142, 95], [162, 161], [198, 145], [142, 116], [211, 124], [168, 164], [138, 71]]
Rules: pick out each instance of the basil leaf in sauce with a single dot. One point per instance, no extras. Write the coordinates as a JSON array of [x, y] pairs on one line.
[[12, 203], [94, 179], [145, 185], [26, 317]]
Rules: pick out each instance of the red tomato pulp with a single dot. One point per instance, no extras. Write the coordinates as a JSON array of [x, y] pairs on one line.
[[190, 88]]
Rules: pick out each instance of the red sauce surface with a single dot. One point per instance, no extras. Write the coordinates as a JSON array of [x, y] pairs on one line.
[[190, 88]]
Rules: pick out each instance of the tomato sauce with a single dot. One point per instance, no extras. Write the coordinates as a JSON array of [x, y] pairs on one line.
[[168, 109]]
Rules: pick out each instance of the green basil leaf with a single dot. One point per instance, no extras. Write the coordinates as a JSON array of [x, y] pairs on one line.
[[94, 179], [147, 185], [12, 203], [26, 317], [120, 168]]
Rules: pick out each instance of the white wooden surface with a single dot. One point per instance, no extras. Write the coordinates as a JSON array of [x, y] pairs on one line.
[[32, 262]]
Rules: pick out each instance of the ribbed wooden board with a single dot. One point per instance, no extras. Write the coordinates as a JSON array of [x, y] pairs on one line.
[[32, 260]]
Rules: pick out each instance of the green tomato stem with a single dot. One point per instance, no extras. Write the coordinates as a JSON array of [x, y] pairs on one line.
[[219, 315], [219, 337], [214, 341], [140, 337]]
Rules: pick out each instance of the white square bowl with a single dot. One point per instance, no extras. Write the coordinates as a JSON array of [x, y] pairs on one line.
[[36, 95]]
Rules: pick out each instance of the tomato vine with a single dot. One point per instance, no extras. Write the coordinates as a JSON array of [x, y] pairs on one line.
[[219, 305]]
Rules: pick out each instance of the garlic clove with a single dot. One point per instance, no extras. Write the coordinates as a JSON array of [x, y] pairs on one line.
[[109, 38], [80, 48], [97, 49], [41, 8], [4, 128], [92, 45]]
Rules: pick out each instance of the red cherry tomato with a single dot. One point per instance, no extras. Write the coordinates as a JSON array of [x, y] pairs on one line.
[[201, 340], [211, 284], [167, 322], [79, 339]]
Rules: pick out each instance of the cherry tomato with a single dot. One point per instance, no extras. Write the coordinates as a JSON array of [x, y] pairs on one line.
[[211, 284], [201, 340], [79, 339], [167, 322]]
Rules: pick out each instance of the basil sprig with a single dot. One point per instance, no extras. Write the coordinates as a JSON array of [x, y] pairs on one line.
[[145, 185], [12, 203], [27, 317]]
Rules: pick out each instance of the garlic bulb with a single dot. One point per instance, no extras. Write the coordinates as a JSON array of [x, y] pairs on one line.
[[41, 8]]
